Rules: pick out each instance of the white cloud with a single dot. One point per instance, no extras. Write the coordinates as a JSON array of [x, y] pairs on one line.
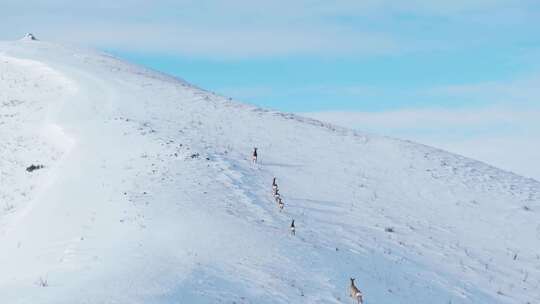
[[237, 28], [506, 138], [435, 118], [522, 91], [219, 28]]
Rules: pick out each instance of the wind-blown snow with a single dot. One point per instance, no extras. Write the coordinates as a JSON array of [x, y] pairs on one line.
[[124, 211]]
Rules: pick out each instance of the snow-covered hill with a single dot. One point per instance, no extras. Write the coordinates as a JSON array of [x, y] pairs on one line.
[[147, 195]]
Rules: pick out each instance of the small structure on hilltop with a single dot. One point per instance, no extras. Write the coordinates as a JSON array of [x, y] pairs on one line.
[[29, 36]]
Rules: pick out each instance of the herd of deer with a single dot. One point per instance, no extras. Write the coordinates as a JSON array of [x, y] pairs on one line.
[[354, 292], [280, 203]]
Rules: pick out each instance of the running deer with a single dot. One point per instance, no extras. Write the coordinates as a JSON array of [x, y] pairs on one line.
[[275, 192], [355, 293], [281, 205], [277, 198]]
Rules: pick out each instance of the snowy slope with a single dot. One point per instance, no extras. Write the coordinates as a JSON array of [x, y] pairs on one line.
[[125, 212]]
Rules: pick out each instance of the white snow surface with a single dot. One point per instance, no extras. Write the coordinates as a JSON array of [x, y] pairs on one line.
[[122, 213]]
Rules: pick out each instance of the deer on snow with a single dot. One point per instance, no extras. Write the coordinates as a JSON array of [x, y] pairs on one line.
[[355, 293], [281, 205], [277, 198], [254, 156], [275, 193]]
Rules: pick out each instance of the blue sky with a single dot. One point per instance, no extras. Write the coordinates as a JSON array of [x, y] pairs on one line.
[[463, 75], [300, 84]]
